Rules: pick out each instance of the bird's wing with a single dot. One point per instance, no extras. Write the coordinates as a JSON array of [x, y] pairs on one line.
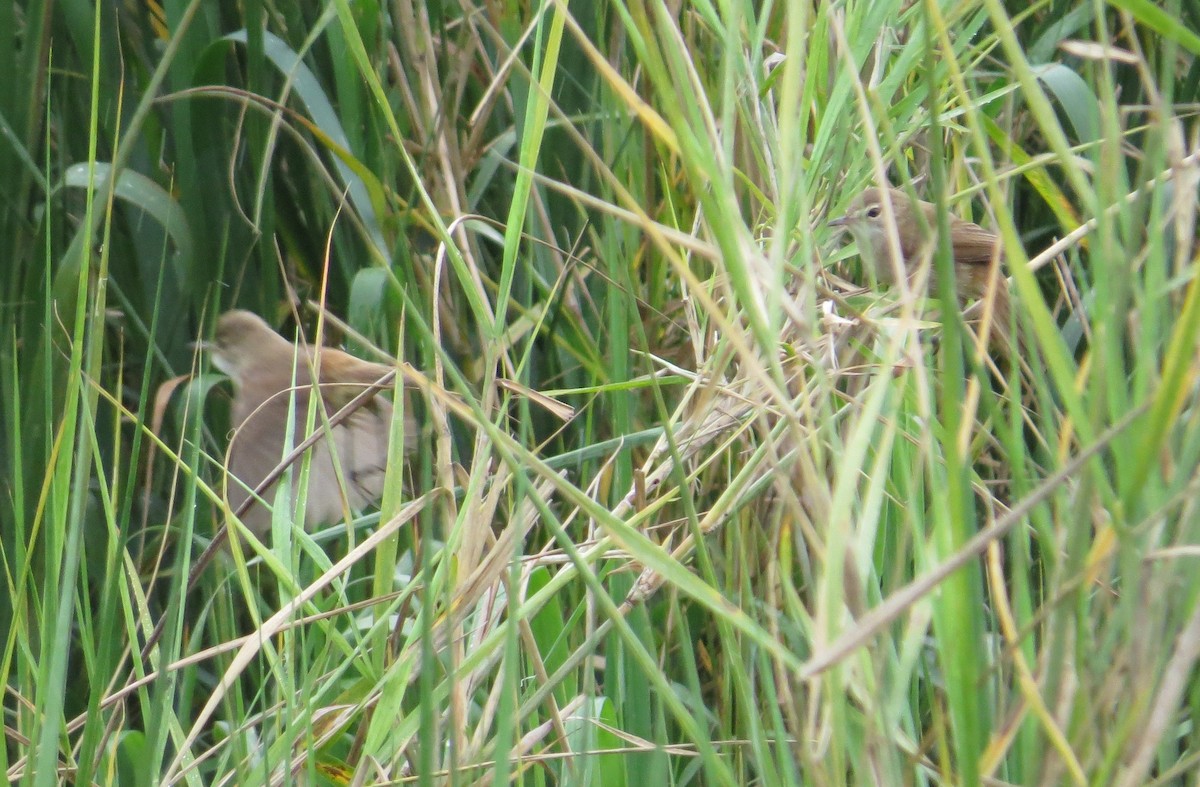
[[343, 376], [362, 445], [973, 245]]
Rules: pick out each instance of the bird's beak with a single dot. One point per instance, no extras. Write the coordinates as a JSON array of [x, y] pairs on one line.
[[841, 221], [204, 347]]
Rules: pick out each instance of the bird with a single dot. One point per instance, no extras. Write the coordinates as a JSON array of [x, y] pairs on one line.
[[271, 377], [976, 251]]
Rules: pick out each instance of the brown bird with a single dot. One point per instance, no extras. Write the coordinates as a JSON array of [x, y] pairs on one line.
[[272, 376], [976, 251]]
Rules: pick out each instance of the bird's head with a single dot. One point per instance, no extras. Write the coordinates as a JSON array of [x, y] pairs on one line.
[[244, 342]]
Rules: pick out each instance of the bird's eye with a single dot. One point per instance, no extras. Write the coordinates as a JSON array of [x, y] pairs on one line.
[[873, 212]]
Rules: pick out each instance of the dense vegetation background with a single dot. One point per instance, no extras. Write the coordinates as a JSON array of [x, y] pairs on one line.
[[697, 509]]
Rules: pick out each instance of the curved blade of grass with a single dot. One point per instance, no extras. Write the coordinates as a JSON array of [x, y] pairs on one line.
[[364, 190], [141, 192]]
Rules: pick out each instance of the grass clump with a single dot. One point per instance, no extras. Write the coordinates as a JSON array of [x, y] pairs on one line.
[[691, 506]]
